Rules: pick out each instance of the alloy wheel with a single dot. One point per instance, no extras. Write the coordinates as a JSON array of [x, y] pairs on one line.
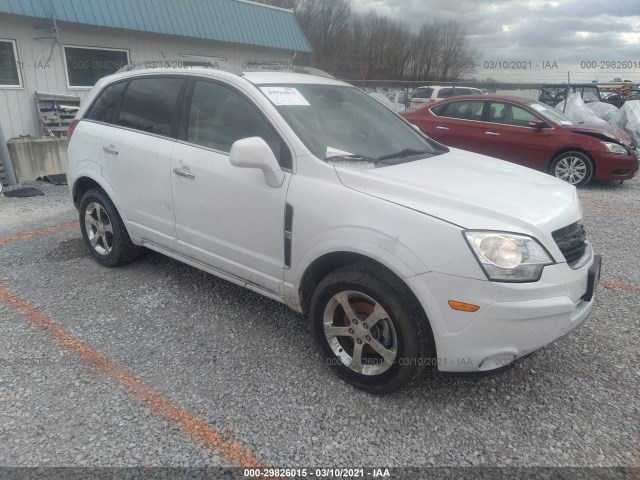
[[360, 333], [99, 228]]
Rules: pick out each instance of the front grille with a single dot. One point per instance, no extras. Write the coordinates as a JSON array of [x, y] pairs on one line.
[[571, 241]]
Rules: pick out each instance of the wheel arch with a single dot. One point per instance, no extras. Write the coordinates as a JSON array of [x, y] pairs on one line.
[[323, 265], [85, 182], [81, 186]]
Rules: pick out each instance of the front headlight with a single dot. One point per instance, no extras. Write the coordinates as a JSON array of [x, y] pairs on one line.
[[508, 257], [615, 148]]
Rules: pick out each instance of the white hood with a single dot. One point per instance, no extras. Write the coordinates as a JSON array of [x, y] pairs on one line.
[[474, 192]]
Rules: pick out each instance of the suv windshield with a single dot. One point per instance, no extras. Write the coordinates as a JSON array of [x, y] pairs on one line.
[[551, 113], [344, 122]]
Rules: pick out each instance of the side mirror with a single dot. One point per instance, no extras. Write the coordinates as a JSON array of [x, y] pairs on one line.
[[538, 124], [253, 152]]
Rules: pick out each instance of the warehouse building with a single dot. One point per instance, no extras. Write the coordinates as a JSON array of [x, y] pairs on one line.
[[63, 47]]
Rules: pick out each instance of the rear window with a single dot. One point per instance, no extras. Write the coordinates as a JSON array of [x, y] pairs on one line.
[[149, 105], [105, 105], [464, 110]]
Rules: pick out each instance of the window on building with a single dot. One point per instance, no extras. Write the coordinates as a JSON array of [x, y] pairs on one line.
[[9, 66], [103, 108], [149, 104], [85, 65]]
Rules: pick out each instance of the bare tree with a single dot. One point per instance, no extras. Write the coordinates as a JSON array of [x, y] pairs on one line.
[[372, 46], [327, 26]]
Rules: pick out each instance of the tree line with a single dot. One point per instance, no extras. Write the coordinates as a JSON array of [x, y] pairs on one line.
[[374, 47]]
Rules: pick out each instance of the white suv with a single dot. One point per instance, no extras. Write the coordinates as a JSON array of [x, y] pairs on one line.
[[403, 252], [429, 94]]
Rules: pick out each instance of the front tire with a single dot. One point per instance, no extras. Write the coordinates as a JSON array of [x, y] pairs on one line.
[[370, 328], [573, 167], [103, 230]]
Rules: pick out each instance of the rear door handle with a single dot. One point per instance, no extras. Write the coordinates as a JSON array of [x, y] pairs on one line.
[[495, 134], [183, 173], [439, 127], [110, 149]]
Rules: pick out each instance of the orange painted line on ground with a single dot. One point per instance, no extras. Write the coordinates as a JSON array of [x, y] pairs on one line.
[[611, 209], [622, 286], [37, 233], [201, 432]]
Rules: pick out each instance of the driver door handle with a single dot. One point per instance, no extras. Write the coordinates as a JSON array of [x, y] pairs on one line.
[[440, 127], [495, 134], [183, 173]]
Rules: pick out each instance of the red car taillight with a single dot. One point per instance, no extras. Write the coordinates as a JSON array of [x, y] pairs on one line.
[[72, 127]]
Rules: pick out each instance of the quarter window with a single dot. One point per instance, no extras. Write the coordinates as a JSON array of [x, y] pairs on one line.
[[85, 66], [149, 104], [105, 105], [509, 114], [219, 116], [9, 67]]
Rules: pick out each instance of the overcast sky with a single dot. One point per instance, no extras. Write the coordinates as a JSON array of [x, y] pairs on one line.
[[567, 32]]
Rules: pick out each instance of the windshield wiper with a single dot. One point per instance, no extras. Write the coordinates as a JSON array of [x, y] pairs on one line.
[[356, 161], [361, 158], [407, 152]]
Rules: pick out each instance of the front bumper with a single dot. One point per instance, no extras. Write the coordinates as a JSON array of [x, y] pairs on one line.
[[615, 167], [513, 320]]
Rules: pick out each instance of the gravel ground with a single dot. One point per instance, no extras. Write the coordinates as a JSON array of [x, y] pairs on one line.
[[248, 365]]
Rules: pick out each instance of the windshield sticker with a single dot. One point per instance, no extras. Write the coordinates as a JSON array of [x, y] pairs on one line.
[[284, 96]]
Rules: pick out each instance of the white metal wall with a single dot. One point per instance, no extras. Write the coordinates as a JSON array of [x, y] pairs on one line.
[[18, 114]]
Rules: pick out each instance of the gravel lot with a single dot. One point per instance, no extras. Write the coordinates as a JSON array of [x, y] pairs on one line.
[[248, 367]]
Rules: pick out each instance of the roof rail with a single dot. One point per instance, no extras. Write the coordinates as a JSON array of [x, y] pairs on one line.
[[312, 71], [180, 63]]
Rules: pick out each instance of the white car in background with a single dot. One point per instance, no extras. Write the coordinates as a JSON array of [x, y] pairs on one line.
[[426, 95], [387, 102], [404, 253]]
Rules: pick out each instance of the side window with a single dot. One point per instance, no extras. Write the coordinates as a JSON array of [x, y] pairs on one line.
[[149, 104], [105, 105], [422, 93], [465, 110], [440, 110], [509, 114], [219, 116], [445, 92]]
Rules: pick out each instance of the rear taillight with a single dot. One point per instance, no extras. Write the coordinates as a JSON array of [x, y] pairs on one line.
[[72, 127]]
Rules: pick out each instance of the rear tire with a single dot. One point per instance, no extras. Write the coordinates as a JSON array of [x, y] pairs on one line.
[[103, 230], [575, 168], [370, 328]]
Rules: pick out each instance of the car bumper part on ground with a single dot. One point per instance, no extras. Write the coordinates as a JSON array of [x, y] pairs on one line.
[[513, 321]]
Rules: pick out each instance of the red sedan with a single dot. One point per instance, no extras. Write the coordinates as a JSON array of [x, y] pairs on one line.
[[532, 134]]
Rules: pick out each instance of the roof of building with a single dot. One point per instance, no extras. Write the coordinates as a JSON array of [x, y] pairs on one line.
[[235, 21]]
